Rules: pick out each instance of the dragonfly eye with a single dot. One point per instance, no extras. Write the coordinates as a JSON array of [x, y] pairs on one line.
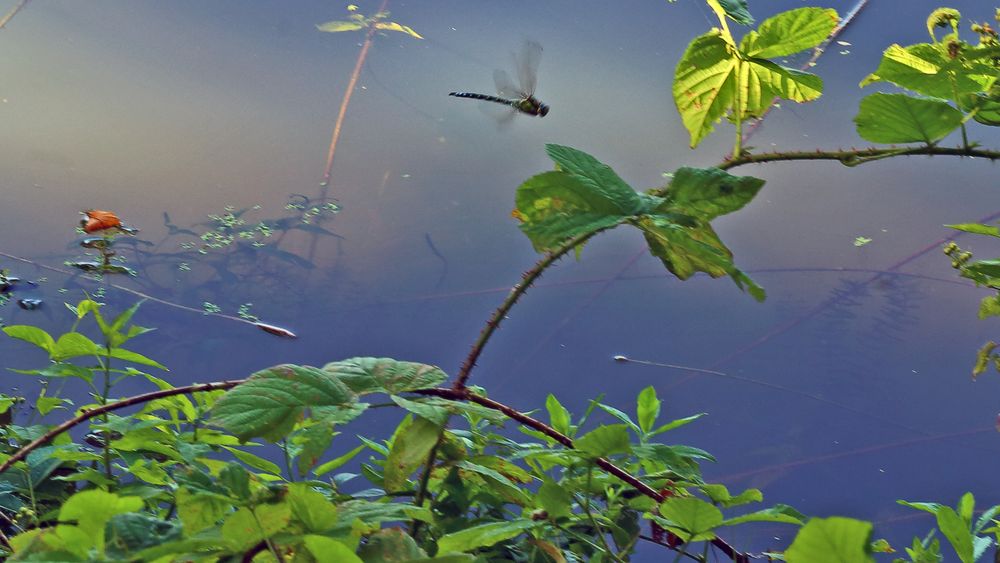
[[543, 110]]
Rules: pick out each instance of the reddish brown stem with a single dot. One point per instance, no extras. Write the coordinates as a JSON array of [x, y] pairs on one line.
[[98, 411], [527, 279]]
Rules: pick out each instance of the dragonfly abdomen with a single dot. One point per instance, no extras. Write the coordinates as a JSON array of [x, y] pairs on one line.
[[485, 97]]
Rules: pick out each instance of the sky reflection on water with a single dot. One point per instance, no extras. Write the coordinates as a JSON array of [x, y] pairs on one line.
[[189, 107]]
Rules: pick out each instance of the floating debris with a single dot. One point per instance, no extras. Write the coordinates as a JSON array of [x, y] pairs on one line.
[[29, 304], [275, 330], [7, 281], [94, 242], [861, 241]]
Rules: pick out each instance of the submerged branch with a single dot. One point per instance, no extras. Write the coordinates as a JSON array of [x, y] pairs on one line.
[[13, 12]]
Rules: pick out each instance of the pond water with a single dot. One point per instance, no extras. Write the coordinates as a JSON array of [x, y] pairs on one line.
[[847, 389]]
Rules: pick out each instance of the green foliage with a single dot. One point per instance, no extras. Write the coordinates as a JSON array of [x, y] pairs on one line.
[[358, 22], [898, 118], [584, 196], [717, 76], [944, 70], [832, 540]]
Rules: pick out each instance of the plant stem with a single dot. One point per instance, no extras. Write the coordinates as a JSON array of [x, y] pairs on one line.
[[593, 521], [288, 460], [425, 479], [88, 414], [854, 157], [527, 279]]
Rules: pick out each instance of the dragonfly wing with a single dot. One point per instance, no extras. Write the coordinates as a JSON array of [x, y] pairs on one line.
[[503, 115], [526, 64], [505, 87]]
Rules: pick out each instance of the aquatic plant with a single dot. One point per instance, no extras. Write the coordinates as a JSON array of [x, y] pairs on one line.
[[175, 480]]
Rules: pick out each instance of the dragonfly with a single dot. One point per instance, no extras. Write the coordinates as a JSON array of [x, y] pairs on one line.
[[521, 97]]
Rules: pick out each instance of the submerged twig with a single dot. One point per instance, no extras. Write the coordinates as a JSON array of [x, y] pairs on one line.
[[358, 65], [13, 12]]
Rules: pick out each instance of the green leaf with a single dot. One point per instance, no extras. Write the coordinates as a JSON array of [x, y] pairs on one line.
[[956, 529], [131, 532], [385, 375], [603, 186], [335, 463], [92, 509], [33, 335], [621, 416], [976, 228], [254, 461], [930, 70], [692, 519], [433, 413], [554, 208], [198, 511], [389, 546], [555, 499], [483, 535], [778, 513], [235, 478], [766, 81], [73, 345], [704, 84], [735, 9], [647, 408], [338, 26], [604, 441], [413, 442], [134, 357], [790, 32], [685, 250], [249, 525], [270, 402], [60, 370], [312, 443], [832, 540], [898, 118], [677, 423], [310, 507], [707, 193], [583, 195], [393, 26], [559, 417], [329, 550]]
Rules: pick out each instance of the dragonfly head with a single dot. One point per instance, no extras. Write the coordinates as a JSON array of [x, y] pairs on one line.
[[543, 110]]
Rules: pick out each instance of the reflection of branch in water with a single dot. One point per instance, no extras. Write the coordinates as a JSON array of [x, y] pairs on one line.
[[444, 261], [271, 329], [769, 385]]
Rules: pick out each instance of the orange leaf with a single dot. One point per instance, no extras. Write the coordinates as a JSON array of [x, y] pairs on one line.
[[99, 220]]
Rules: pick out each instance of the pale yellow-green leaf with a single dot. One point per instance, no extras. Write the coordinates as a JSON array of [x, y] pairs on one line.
[[393, 26], [338, 26]]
